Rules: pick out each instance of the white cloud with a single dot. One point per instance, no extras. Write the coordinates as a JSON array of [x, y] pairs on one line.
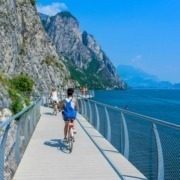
[[52, 9]]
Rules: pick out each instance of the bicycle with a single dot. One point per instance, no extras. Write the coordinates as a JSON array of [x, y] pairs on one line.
[[55, 107], [70, 138]]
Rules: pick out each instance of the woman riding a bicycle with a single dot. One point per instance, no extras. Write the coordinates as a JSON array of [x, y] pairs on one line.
[[69, 113], [54, 100]]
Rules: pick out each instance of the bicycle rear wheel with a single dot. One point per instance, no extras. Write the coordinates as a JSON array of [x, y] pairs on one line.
[[55, 108], [70, 145]]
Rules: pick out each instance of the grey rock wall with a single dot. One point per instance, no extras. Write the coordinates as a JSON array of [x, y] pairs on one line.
[[81, 50], [25, 47]]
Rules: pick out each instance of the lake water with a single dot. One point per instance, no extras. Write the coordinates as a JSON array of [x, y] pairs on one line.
[[143, 152], [161, 104]]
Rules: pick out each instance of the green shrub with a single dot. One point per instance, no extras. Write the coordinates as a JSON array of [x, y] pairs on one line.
[[33, 2], [20, 88], [26, 101], [16, 105], [22, 51], [3, 79], [22, 83], [52, 61], [17, 102]]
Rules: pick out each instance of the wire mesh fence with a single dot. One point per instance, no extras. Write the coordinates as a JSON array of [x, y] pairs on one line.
[[14, 138], [152, 145]]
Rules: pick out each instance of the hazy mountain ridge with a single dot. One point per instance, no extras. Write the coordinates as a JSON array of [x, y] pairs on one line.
[[136, 78], [86, 60]]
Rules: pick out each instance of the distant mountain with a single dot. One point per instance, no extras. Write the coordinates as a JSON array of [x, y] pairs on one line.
[[86, 61], [136, 78], [176, 86]]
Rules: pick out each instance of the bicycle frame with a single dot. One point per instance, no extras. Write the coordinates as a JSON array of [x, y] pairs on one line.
[[70, 129], [70, 136], [55, 108]]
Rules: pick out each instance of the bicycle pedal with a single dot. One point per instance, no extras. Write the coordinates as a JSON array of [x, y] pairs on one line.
[[73, 139]]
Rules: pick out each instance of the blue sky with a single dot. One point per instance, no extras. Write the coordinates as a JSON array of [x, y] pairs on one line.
[[142, 33]]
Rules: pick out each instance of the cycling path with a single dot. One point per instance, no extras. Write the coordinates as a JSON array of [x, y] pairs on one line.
[[46, 158]]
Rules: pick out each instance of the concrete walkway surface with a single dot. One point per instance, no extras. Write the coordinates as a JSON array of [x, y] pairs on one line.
[[46, 157]]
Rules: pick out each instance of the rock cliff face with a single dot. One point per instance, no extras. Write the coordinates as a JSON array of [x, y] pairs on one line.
[[85, 59], [4, 97], [25, 47]]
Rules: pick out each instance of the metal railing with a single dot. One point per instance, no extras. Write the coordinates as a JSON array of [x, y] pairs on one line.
[[15, 134], [152, 145], [46, 100]]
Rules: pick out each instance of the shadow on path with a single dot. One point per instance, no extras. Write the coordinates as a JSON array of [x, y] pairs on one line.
[[49, 113], [57, 143]]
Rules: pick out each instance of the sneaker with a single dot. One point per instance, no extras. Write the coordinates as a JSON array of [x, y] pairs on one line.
[[73, 139], [74, 131], [65, 139]]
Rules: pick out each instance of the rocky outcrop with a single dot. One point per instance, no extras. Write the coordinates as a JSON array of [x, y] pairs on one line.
[[85, 59], [25, 47], [10, 164], [4, 97]]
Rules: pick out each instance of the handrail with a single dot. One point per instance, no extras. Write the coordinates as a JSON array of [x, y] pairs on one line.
[[148, 118], [149, 143], [20, 113], [17, 135], [7, 121], [144, 117]]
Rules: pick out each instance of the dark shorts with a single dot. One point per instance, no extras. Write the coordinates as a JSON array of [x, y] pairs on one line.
[[69, 120], [66, 120]]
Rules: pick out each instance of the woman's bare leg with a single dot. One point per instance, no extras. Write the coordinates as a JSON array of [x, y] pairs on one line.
[[74, 130], [66, 129]]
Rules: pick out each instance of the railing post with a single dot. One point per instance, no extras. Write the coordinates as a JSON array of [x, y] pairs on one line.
[[160, 154], [17, 148], [79, 106], [27, 119], [60, 96], [85, 109], [90, 112], [39, 111], [108, 134], [97, 117], [82, 106], [29, 127], [2, 152], [34, 118], [30, 122], [25, 133], [126, 137]]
